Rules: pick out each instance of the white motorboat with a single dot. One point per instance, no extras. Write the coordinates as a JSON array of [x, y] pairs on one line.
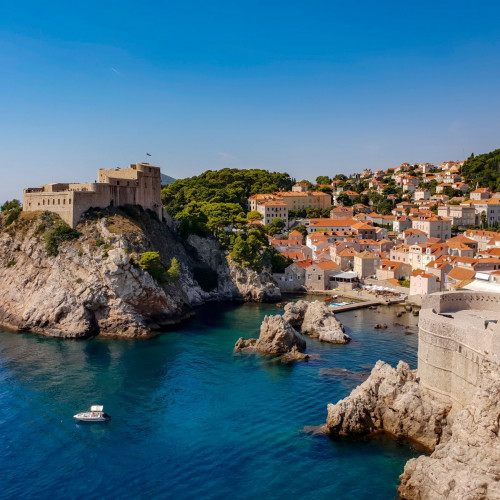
[[95, 414]]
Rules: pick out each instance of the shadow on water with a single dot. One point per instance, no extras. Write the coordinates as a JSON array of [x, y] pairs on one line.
[[190, 418]]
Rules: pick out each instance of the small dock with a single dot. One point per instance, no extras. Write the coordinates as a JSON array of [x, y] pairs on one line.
[[357, 305], [362, 300]]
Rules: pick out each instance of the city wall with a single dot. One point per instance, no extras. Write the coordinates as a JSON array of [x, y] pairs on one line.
[[456, 331]]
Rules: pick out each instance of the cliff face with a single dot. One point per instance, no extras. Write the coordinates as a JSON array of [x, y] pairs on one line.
[[467, 465], [389, 400], [94, 286]]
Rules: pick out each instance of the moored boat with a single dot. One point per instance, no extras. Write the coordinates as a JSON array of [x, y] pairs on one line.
[[95, 414]]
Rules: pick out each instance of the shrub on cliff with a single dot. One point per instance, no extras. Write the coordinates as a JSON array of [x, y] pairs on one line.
[[56, 236], [151, 262], [10, 205], [13, 216]]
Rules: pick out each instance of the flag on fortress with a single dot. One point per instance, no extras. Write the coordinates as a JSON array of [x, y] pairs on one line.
[[148, 154]]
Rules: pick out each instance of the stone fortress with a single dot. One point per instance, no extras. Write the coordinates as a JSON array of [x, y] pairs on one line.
[[457, 330], [139, 184]]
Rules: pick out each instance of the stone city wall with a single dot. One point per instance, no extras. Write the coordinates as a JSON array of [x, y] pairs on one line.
[[452, 345]]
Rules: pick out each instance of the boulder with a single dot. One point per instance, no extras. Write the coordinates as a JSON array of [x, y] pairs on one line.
[[316, 319], [380, 326], [294, 355], [242, 344], [295, 311], [390, 400], [278, 337]]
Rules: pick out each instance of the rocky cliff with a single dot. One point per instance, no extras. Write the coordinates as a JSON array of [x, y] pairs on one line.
[[390, 400], [467, 465], [465, 459], [92, 284]]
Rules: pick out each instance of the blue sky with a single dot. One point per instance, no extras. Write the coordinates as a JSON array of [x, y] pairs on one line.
[[310, 87]]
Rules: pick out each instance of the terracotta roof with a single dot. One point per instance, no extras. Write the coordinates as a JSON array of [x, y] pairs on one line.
[[326, 265], [304, 263], [459, 273], [331, 222]]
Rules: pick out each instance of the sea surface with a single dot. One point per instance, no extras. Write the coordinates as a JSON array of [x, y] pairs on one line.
[[191, 419]]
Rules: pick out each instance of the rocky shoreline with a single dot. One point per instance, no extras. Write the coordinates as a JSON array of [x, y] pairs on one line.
[[462, 439], [93, 285]]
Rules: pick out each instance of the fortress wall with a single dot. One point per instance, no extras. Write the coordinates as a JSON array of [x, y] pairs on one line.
[[451, 348], [59, 202], [137, 185]]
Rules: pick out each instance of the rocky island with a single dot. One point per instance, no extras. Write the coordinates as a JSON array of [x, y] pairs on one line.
[[277, 338], [317, 320], [450, 405]]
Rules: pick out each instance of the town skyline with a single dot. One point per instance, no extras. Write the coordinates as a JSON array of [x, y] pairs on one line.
[[322, 87]]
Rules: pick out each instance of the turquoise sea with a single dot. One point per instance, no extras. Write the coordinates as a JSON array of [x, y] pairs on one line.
[[190, 419]]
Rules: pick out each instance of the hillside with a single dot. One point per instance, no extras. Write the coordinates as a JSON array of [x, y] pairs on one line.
[[483, 169], [166, 180], [112, 276]]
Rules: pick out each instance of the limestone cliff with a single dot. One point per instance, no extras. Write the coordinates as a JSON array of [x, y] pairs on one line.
[[467, 465], [94, 285], [390, 400]]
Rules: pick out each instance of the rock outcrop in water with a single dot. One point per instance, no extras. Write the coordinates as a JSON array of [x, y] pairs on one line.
[[316, 319], [94, 285], [277, 338], [467, 465], [390, 400]]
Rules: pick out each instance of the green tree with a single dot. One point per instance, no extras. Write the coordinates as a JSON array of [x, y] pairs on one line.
[[276, 226], [11, 205], [278, 261], [254, 215], [246, 252], [322, 179], [343, 199], [174, 271], [483, 219], [229, 185], [151, 262]]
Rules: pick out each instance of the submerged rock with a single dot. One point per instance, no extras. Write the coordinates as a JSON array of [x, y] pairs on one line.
[[380, 326], [389, 400], [242, 344], [316, 319], [294, 355]]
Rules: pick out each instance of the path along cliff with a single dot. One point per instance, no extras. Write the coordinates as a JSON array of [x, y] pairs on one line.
[[87, 283]]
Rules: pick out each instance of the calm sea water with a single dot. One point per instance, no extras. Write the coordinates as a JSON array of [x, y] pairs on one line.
[[190, 418]]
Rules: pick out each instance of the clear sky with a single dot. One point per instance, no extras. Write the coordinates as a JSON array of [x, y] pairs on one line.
[[309, 87]]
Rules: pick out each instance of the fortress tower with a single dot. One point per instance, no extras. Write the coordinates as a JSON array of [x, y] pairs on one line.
[[139, 184]]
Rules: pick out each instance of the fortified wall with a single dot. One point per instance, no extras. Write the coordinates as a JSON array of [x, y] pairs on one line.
[[139, 184], [456, 331]]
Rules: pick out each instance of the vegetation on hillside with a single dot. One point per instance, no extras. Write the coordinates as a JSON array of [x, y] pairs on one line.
[[151, 262], [229, 185], [483, 169]]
